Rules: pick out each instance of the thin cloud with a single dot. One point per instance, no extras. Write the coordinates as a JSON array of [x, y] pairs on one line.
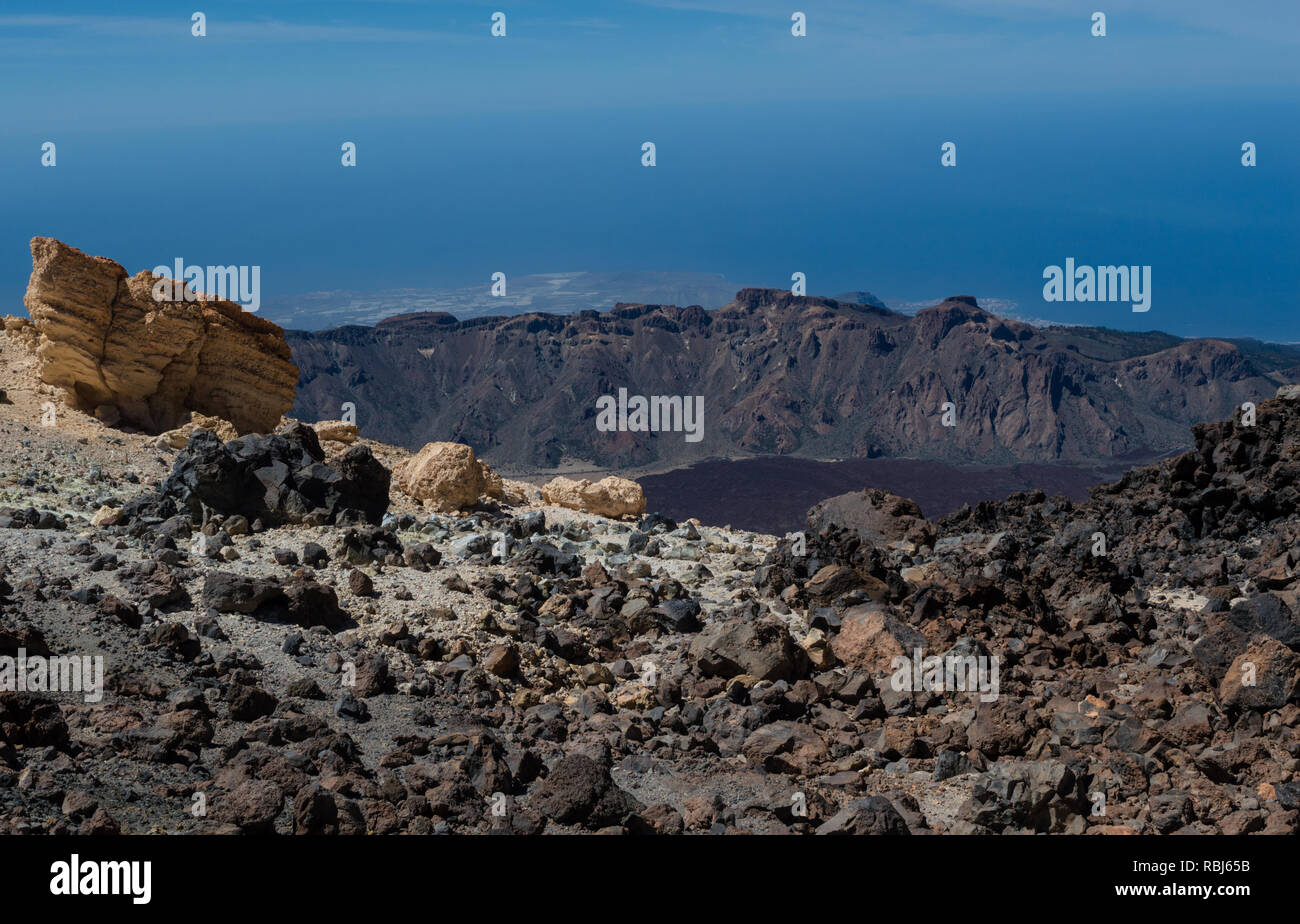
[[223, 30]]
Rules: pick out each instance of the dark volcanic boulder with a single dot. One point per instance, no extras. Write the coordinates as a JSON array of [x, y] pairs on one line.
[[874, 516], [1045, 796], [312, 603], [279, 478], [763, 650], [873, 815], [1227, 634], [299, 600], [363, 483], [237, 593], [31, 720], [544, 558], [581, 791]]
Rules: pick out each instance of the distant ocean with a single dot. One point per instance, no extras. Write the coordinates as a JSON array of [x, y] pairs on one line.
[[852, 195]]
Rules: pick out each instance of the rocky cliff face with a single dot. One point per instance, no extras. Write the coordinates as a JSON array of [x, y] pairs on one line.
[[780, 375], [115, 351]]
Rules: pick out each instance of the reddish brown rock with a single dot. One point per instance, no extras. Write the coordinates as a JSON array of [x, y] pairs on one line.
[[1264, 676], [785, 747], [870, 639], [503, 660], [875, 516]]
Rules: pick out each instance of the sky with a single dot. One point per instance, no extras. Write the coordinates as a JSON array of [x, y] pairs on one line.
[[775, 154]]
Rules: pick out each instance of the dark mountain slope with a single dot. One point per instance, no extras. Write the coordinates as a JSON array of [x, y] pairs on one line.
[[780, 375]]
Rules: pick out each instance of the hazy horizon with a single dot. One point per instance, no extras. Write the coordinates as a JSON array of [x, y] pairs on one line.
[[775, 154]]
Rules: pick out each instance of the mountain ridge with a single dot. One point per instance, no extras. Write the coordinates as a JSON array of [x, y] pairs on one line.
[[781, 374]]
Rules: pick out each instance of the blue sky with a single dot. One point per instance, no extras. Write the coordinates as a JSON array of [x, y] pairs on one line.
[[776, 154]]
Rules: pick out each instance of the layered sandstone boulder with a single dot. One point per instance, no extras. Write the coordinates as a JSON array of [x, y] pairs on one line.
[[177, 438], [448, 476], [610, 497], [337, 430], [520, 492], [114, 350], [22, 330]]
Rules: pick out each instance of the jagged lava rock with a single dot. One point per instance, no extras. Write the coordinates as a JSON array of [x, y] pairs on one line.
[[280, 478]]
